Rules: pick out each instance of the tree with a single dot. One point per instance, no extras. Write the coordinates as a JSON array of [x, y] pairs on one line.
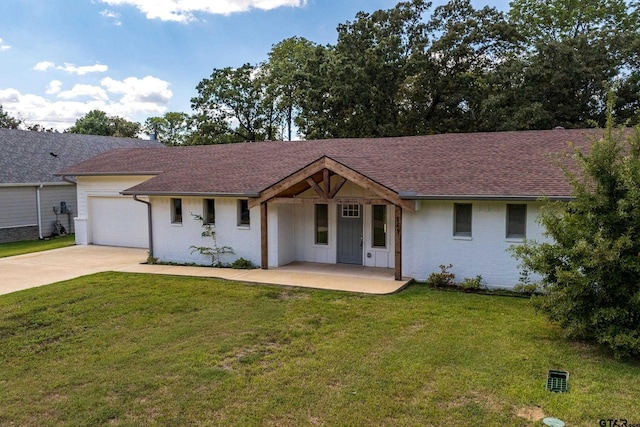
[[238, 96], [574, 52], [394, 73], [452, 81], [96, 122], [285, 75], [36, 127], [590, 270], [352, 87], [7, 121], [173, 128], [123, 128]]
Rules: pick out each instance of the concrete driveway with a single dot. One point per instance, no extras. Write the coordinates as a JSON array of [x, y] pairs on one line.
[[42, 268]]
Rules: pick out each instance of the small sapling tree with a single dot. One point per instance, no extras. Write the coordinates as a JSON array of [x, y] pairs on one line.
[[213, 251]]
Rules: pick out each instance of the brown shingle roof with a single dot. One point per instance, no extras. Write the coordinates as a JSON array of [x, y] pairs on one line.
[[485, 165]]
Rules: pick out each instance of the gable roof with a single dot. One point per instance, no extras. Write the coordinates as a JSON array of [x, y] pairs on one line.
[[474, 165], [28, 157]]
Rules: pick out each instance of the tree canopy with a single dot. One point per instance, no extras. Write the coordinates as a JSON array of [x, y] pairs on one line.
[[96, 122], [416, 70], [8, 121]]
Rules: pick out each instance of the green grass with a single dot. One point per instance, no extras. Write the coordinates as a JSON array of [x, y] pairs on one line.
[[132, 349], [28, 246]]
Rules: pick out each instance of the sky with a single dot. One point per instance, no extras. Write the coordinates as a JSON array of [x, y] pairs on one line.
[[60, 59]]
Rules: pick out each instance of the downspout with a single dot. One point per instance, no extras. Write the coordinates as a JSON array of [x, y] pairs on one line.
[[149, 222], [39, 213]]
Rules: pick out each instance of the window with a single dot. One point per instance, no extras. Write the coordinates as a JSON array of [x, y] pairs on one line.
[[516, 221], [322, 224], [243, 213], [379, 222], [351, 211], [176, 211], [209, 211], [462, 219]]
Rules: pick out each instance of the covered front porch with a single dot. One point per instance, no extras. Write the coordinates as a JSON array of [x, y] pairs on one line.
[[328, 213]]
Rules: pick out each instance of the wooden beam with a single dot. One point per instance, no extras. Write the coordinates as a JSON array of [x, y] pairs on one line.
[[398, 243], [369, 184], [337, 187], [327, 183], [264, 237], [332, 166], [315, 187], [288, 182]]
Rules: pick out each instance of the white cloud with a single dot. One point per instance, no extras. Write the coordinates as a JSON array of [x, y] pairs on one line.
[[9, 95], [4, 46], [110, 14], [132, 98], [53, 87], [44, 66], [134, 90], [79, 91], [184, 10], [71, 68]]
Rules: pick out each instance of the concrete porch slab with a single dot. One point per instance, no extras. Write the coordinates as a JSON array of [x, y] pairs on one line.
[[42, 268], [338, 277]]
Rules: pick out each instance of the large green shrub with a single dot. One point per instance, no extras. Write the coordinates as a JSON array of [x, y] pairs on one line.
[[591, 269]]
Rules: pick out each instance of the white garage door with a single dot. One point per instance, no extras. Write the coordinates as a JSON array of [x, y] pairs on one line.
[[119, 221]]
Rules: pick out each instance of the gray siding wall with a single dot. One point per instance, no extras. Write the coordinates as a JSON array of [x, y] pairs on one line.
[[52, 196], [19, 216], [18, 207]]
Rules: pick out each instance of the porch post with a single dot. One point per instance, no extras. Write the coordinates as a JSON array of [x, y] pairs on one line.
[[398, 243], [264, 241]]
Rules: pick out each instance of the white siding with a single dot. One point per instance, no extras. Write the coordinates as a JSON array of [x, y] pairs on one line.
[[304, 234], [90, 188], [428, 242], [307, 250], [379, 257], [283, 245]]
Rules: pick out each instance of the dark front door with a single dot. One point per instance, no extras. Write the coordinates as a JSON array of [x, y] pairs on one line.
[[350, 234]]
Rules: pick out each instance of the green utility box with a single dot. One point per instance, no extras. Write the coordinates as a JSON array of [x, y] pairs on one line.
[[558, 381]]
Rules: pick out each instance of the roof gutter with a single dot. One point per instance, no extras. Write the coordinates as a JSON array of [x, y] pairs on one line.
[[121, 173], [149, 223], [32, 184], [248, 194], [415, 196]]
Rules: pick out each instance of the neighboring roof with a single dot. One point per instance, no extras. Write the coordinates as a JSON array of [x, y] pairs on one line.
[[28, 157], [472, 165]]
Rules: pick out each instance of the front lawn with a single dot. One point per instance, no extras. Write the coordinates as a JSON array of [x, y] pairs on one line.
[[28, 246], [134, 349]]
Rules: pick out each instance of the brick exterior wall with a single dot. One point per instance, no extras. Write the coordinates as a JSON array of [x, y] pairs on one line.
[[16, 234]]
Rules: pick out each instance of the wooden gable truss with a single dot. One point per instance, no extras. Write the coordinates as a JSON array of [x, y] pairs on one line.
[[317, 176]]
